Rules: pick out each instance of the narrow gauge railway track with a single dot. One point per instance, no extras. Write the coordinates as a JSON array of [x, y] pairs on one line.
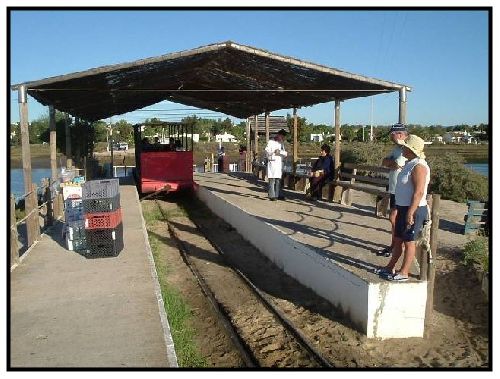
[[295, 352]]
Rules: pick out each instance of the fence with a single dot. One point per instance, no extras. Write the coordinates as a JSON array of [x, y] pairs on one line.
[[51, 208]]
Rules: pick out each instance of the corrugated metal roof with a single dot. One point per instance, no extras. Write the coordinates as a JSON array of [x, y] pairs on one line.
[[226, 77]]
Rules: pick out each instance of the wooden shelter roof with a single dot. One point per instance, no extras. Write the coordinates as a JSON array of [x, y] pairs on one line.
[[226, 77]]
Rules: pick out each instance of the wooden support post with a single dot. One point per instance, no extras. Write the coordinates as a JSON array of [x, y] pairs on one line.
[[49, 219], [112, 149], [26, 157], [78, 143], [337, 138], [35, 221], [295, 141], [248, 167], [53, 145], [59, 201], [431, 268], [14, 248], [69, 159], [402, 105], [267, 126], [25, 139], [256, 137]]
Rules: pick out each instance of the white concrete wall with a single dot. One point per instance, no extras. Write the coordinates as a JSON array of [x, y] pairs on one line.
[[396, 310], [384, 310]]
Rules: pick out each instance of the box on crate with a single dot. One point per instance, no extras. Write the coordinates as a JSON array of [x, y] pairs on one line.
[[71, 191]]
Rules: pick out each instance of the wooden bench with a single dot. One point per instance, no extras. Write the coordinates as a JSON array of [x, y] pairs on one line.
[[259, 169], [296, 182], [365, 178], [476, 217]]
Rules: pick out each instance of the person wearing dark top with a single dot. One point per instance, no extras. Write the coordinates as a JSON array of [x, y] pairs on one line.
[[321, 171]]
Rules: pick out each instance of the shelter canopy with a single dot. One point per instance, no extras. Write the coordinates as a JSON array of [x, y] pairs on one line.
[[226, 77]]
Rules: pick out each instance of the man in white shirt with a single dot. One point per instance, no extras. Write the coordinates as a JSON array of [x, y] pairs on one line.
[[395, 161], [275, 153]]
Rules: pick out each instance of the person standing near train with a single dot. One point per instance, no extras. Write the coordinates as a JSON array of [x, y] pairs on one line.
[[275, 151]]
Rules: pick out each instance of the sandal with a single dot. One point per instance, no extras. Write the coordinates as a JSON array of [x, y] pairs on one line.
[[387, 252], [384, 272], [399, 278]]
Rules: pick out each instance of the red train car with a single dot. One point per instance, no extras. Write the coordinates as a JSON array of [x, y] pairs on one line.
[[168, 159]]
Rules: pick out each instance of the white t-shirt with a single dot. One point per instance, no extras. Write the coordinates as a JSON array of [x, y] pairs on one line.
[[397, 155], [405, 187]]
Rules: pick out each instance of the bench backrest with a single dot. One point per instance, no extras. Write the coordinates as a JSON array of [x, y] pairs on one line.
[[477, 216], [381, 178]]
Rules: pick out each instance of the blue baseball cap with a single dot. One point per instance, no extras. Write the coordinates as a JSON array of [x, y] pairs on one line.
[[398, 128]]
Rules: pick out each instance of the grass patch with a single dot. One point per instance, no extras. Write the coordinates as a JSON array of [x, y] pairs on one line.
[[476, 252], [177, 309]]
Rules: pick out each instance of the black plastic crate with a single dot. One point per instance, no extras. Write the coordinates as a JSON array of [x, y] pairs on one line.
[[72, 203], [105, 242], [100, 189], [101, 205], [75, 230]]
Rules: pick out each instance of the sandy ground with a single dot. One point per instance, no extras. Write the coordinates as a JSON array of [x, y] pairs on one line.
[[458, 330]]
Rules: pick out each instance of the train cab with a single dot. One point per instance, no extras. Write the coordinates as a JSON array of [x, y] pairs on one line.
[[164, 159]]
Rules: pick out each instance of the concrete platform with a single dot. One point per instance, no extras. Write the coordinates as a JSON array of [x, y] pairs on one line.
[[70, 311], [328, 247]]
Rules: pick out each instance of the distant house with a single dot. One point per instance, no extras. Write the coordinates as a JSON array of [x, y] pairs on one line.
[[318, 137], [331, 137], [459, 137], [436, 138], [226, 137]]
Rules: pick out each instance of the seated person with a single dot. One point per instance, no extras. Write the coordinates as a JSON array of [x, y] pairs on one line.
[[145, 145], [178, 145], [321, 171]]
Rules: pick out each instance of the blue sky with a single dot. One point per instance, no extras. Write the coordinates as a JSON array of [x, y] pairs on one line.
[[442, 55]]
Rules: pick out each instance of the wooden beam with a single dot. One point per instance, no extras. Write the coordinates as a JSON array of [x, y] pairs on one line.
[[402, 105], [295, 141], [337, 138], [25, 138], [256, 137], [69, 160], [248, 167], [53, 145], [267, 126]]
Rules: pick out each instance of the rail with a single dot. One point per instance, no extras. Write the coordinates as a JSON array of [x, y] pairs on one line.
[[50, 208], [245, 351]]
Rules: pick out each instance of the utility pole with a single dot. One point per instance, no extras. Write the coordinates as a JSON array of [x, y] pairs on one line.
[[371, 122], [111, 147]]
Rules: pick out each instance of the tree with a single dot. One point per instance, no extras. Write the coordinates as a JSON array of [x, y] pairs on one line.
[[349, 133], [301, 122], [124, 130]]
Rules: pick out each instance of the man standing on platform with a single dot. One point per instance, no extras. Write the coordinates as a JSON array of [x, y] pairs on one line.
[[395, 161], [275, 153]]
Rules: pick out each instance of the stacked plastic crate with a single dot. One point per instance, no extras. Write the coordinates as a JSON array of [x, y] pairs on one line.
[[74, 228], [103, 217]]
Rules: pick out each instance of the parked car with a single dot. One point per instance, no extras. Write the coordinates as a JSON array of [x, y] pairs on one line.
[[120, 146]]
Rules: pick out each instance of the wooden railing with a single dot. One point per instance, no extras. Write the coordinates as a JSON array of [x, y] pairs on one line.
[[51, 208]]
